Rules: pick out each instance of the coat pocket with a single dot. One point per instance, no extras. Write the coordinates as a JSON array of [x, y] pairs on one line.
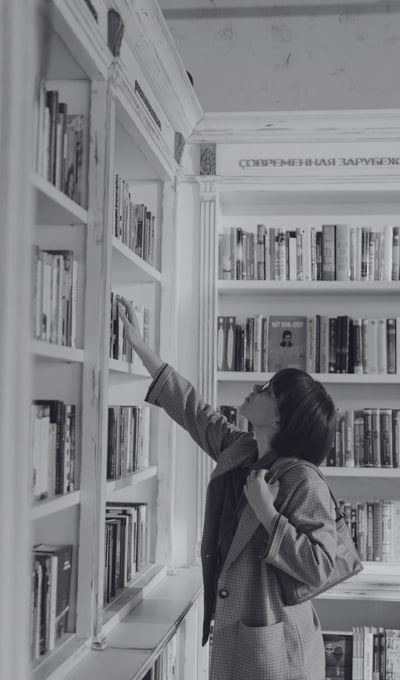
[[261, 653]]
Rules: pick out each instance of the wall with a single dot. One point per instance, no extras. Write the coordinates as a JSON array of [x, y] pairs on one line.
[[308, 55]]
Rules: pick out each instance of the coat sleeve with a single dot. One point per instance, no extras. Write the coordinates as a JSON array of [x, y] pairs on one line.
[[302, 543], [181, 401]]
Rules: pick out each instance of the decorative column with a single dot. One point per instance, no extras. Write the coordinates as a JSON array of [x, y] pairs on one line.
[[17, 64], [207, 330]]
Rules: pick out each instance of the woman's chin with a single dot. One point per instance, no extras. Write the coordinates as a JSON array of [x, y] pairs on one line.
[[242, 409]]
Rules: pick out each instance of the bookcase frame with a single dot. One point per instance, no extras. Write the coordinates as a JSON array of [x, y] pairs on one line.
[[147, 46], [233, 192]]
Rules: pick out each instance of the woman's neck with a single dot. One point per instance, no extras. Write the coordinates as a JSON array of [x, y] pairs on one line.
[[264, 438]]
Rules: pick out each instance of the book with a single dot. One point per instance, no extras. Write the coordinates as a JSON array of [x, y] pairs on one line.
[[392, 654], [61, 565], [338, 655], [287, 342]]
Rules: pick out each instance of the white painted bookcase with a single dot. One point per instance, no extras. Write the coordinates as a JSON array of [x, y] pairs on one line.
[[65, 43], [279, 194]]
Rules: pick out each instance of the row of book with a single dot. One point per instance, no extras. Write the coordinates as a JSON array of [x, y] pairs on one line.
[[128, 440], [366, 438], [165, 666], [317, 344], [60, 139], [375, 528], [50, 596], [332, 252], [367, 653], [53, 448], [126, 550], [55, 281], [120, 348], [134, 224]]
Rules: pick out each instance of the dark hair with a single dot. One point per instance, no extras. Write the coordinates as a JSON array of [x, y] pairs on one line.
[[307, 416]]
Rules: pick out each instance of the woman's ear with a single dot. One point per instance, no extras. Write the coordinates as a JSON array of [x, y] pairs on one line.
[[276, 424]]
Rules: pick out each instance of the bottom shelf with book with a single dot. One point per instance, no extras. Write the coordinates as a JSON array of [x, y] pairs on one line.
[[133, 649], [367, 653]]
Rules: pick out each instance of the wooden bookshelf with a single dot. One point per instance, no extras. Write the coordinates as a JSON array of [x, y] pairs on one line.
[[55, 208], [49, 506], [48, 351], [134, 478], [272, 193], [342, 378], [118, 128], [367, 288], [135, 370], [130, 267]]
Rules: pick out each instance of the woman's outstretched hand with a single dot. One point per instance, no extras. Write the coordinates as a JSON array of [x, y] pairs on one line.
[[131, 324], [261, 497]]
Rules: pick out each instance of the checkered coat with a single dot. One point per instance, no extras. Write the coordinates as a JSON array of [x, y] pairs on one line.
[[256, 637]]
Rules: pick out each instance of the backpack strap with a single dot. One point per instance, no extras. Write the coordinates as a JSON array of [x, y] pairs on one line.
[[296, 462]]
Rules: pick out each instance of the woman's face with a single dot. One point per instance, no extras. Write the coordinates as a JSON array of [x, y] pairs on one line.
[[261, 406]]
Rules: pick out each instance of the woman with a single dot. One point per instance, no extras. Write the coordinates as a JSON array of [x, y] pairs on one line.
[[246, 541]]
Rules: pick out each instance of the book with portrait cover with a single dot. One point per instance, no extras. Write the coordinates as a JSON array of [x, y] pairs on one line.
[[338, 655], [287, 342]]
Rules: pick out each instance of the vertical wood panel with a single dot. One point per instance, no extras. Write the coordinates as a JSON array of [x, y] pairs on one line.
[[166, 440], [207, 334], [16, 223], [95, 378]]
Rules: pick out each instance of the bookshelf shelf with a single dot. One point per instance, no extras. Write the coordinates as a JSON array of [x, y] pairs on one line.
[[343, 378], [130, 597], [319, 288], [146, 631], [117, 366], [69, 650], [377, 581], [131, 480], [52, 352], [129, 267], [55, 208], [362, 472], [51, 505]]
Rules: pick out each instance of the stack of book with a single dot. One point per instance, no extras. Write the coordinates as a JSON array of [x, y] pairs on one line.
[[318, 344], [128, 440], [366, 438], [134, 224], [53, 450], [55, 280], [125, 545], [50, 595], [120, 348], [375, 528], [60, 144], [332, 252], [165, 667], [368, 653]]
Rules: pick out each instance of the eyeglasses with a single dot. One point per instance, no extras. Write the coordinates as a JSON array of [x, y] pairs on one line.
[[266, 387]]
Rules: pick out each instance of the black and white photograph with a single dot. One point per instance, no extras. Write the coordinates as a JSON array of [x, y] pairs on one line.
[[200, 340]]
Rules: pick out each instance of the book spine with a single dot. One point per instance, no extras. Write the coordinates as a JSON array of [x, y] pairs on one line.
[[396, 254], [230, 343], [368, 435], [261, 259], [376, 437], [343, 269], [391, 345], [377, 531], [386, 427]]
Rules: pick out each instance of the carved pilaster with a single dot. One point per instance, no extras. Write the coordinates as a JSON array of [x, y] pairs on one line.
[[207, 384]]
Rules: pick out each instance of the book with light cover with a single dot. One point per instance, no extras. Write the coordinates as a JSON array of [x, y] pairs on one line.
[[287, 342]]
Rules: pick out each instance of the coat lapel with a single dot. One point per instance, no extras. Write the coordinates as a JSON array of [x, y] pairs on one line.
[[247, 526], [248, 523], [237, 455]]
